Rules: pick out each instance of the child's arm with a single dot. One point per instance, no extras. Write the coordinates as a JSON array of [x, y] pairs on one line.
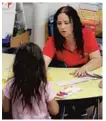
[[53, 107], [52, 104], [5, 103]]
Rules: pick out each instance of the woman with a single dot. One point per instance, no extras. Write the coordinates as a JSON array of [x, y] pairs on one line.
[[72, 43]]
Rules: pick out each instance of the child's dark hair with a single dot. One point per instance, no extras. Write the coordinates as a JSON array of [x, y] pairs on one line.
[[29, 74]]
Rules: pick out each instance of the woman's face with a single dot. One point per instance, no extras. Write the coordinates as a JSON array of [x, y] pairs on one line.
[[64, 25]]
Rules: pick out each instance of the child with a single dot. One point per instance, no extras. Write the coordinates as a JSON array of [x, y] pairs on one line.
[[28, 92]]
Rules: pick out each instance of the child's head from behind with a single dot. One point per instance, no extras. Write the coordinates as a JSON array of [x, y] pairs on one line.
[[29, 61], [29, 72]]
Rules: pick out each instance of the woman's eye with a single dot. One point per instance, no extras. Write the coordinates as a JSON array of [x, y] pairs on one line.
[[66, 22]]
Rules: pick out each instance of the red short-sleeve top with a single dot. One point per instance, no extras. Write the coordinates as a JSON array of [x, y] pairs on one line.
[[73, 58]]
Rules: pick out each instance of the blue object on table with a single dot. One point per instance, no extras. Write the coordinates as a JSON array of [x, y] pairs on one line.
[[6, 41]]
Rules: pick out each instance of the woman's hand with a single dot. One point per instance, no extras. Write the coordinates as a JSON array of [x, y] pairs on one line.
[[100, 84], [80, 72]]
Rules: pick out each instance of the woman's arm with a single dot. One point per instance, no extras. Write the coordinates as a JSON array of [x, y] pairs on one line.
[[94, 62], [49, 50], [5, 103], [47, 60], [53, 107]]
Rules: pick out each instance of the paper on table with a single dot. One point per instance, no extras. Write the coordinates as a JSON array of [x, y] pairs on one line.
[[79, 80], [70, 91]]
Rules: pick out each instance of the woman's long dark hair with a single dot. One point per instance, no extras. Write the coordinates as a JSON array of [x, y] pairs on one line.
[[29, 74], [59, 40]]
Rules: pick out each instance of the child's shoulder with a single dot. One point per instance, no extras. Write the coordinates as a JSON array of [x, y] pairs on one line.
[[47, 86], [9, 82]]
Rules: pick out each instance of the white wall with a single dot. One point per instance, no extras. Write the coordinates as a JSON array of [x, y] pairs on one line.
[[40, 18], [54, 6], [8, 17], [29, 17]]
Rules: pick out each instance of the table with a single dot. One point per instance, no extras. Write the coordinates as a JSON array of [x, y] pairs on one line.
[[62, 74], [7, 62], [90, 88]]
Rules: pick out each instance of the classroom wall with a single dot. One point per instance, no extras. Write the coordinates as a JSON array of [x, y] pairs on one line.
[[54, 6], [29, 17], [8, 13]]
